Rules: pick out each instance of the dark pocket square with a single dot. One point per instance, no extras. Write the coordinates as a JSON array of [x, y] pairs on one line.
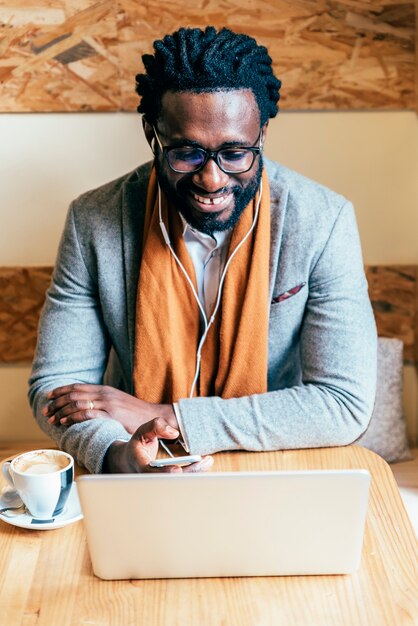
[[288, 294]]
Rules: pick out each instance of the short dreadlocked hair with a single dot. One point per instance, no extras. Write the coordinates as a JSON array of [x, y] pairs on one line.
[[200, 61]]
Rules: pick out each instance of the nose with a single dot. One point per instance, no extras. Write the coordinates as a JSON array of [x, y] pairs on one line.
[[210, 178]]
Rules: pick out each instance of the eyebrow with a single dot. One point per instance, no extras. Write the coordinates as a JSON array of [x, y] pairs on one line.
[[181, 143]]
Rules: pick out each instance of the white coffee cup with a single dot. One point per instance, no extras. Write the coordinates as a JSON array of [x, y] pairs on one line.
[[43, 480]]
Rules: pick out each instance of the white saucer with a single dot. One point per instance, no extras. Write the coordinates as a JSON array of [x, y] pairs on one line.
[[72, 512]]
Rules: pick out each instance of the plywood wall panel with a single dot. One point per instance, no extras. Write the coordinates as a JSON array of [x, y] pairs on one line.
[[77, 55], [393, 292], [22, 294]]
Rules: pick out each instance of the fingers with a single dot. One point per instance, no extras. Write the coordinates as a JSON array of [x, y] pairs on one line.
[[66, 389], [75, 403], [143, 446], [202, 466], [71, 403], [76, 410], [157, 428], [172, 469], [129, 457], [80, 401], [78, 417], [135, 455]]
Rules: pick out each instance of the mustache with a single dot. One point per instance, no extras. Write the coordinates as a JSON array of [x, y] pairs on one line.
[[185, 187]]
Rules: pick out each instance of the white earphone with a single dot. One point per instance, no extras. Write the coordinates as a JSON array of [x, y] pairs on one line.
[[207, 324]]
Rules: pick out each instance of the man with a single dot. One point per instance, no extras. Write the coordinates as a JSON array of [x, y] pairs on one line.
[[224, 293]]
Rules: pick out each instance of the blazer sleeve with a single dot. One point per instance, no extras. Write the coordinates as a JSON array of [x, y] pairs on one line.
[[73, 346], [333, 403]]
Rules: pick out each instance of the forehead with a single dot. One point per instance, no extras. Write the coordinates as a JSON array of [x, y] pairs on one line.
[[210, 118]]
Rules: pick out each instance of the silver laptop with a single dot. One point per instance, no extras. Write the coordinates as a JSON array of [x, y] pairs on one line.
[[224, 524]]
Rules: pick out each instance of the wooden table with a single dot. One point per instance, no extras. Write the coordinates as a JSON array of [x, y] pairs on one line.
[[46, 577]]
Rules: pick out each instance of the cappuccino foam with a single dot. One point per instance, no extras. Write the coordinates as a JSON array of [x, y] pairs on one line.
[[41, 463]]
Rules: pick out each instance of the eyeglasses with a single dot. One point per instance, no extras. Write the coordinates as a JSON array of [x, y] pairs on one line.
[[188, 159]]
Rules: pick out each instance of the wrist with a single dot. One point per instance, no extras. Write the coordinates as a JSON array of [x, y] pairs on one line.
[[167, 412]]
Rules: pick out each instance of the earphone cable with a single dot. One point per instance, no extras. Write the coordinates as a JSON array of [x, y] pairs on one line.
[[179, 263]]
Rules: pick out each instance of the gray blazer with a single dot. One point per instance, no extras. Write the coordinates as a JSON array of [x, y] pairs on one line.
[[322, 337]]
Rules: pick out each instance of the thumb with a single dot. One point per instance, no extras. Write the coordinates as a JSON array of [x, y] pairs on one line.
[[157, 428]]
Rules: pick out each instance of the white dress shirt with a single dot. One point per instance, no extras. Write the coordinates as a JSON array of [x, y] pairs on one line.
[[208, 254]]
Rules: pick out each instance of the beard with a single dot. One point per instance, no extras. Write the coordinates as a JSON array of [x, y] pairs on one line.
[[208, 223]]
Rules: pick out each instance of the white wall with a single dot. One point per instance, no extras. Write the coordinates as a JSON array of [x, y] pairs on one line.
[[48, 159]]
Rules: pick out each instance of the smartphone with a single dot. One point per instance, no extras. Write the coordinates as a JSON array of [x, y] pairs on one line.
[[177, 460]]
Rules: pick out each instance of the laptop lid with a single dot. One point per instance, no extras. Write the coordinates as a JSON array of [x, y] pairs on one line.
[[224, 524]]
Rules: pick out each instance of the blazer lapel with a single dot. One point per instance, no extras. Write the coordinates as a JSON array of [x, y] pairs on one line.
[[278, 202], [133, 212]]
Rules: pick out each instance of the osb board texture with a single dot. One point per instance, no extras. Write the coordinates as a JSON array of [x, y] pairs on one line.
[[393, 292], [76, 55], [22, 294]]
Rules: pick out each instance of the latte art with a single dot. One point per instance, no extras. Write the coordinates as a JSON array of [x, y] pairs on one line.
[[41, 463]]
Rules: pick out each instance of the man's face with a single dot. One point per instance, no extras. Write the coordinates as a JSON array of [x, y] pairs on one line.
[[209, 199]]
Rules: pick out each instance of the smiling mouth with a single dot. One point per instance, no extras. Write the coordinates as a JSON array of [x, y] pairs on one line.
[[219, 202]]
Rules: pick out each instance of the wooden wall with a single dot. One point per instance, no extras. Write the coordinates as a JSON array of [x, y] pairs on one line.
[[393, 291], [77, 55], [22, 294]]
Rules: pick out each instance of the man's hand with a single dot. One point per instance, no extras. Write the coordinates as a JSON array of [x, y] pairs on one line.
[[77, 403], [136, 454]]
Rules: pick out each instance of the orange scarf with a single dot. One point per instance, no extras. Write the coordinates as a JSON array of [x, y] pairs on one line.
[[234, 356]]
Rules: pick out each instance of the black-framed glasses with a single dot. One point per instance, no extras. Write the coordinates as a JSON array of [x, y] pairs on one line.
[[189, 159]]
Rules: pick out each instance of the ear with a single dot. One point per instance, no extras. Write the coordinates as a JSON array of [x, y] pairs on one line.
[[264, 133], [149, 133]]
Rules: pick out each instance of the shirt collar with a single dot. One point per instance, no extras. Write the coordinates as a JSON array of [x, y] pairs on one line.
[[218, 239]]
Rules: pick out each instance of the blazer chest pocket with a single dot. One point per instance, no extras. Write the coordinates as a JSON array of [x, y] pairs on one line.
[[286, 302]]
